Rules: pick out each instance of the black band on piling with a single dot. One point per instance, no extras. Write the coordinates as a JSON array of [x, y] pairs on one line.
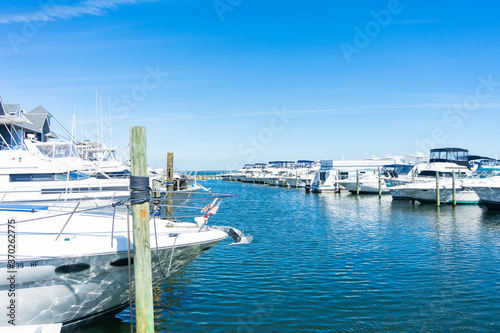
[[140, 191]]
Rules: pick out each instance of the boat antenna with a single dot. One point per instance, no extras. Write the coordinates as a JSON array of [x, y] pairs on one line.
[[102, 126], [110, 128], [73, 126], [97, 112]]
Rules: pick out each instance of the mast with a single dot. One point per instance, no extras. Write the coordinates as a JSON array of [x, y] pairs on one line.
[[97, 112], [110, 128], [102, 126]]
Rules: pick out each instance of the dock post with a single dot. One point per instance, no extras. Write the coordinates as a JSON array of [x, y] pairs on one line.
[[170, 183], [379, 185], [454, 189], [357, 182], [142, 250], [438, 199], [413, 172], [339, 178]]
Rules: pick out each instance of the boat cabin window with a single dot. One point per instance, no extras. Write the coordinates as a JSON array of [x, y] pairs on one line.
[[430, 173], [40, 177], [322, 176]]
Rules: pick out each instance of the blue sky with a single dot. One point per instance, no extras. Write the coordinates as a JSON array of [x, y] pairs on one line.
[[225, 82]]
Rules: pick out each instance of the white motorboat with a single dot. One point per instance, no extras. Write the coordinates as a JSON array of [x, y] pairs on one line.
[[49, 172], [332, 172], [253, 173], [102, 162], [240, 175], [303, 174], [63, 266], [390, 175], [443, 162], [275, 171], [486, 183]]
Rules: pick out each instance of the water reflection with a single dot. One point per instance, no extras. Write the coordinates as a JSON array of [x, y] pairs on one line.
[[335, 262]]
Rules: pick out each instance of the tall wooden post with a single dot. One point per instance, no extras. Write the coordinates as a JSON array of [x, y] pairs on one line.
[[379, 184], [357, 182], [339, 178], [438, 199], [454, 189], [142, 250], [170, 181]]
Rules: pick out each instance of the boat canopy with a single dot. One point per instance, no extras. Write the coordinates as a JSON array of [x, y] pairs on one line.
[[260, 165], [281, 164], [450, 155], [304, 164], [57, 149]]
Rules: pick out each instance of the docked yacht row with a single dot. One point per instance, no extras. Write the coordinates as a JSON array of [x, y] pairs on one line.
[[65, 244], [447, 175]]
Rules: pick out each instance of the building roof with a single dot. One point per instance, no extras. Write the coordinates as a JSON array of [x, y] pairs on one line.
[[40, 110], [11, 108]]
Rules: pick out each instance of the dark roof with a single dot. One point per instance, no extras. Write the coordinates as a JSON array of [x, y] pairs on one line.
[[477, 157], [449, 149]]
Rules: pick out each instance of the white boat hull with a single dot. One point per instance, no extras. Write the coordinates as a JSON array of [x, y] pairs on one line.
[[490, 196], [81, 274], [364, 187], [428, 195]]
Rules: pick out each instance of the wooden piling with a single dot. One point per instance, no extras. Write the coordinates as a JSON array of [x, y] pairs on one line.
[[379, 184], [357, 182], [142, 250], [454, 189], [339, 178], [438, 199], [170, 181]]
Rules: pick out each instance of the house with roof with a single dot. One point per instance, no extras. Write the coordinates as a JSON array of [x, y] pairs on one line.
[[17, 125]]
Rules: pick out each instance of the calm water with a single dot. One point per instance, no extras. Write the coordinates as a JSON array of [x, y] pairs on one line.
[[336, 263]]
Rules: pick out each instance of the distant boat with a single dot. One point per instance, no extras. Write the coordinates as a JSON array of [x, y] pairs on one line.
[[332, 173], [302, 174]]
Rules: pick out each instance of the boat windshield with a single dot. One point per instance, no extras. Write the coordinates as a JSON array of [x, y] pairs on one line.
[[304, 164], [486, 173], [403, 169], [57, 150]]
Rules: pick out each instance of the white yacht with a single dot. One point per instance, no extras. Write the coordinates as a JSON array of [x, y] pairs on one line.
[[69, 266], [443, 162], [240, 175], [486, 184], [254, 173], [275, 171], [332, 173], [49, 172], [102, 162], [303, 174]]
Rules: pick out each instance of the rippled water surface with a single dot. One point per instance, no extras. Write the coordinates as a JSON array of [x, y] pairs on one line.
[[332, 262]]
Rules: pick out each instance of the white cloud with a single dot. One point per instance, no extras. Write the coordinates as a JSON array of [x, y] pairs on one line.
[[59, 11]]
